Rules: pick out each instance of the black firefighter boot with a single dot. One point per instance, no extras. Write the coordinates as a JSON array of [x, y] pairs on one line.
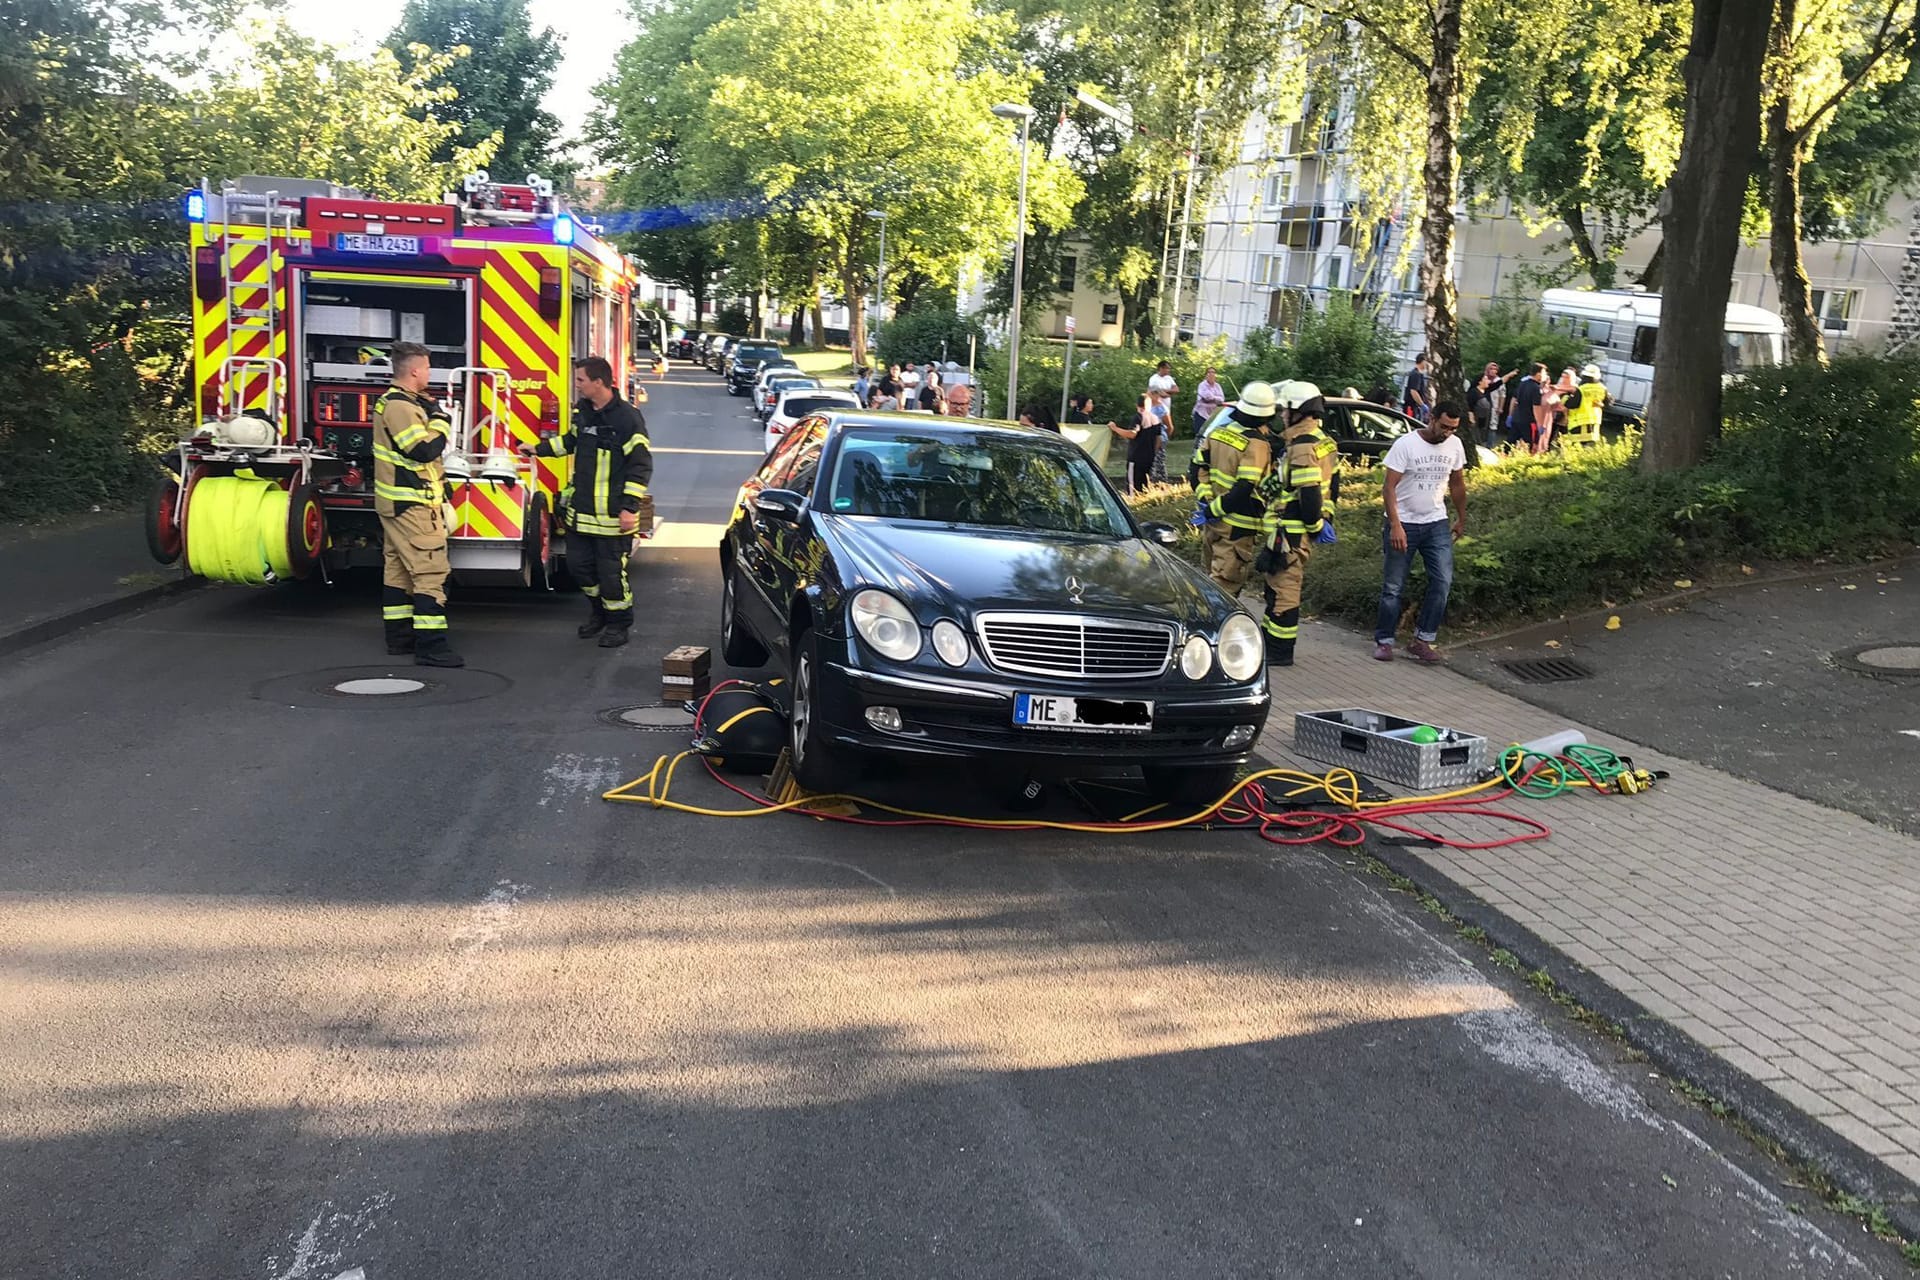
[[616, 633], [430, 649], [1279, 652], [396, 607], [596, 619]]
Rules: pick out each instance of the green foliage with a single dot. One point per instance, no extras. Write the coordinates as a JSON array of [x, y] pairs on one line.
[[1337, 346], [919, 334], [1814, 461], [1116, 377], [732, 318], [1514, 333], [1867, 155], [496, 88]]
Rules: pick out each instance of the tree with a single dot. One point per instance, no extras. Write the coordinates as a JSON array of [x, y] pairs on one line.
[[498, 83], [767, 119], [1701, 222], [291, 104], [1588, 131], [1819, 52]]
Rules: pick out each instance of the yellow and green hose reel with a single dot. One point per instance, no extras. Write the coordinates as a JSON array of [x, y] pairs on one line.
[[237, 530]]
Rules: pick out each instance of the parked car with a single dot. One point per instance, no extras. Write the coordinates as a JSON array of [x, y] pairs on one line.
[[743, 364], [782, 366], [769, 397], [977, 592], [709, 344], [685, 346], [1365, 430], [797, 402], [721, 352]]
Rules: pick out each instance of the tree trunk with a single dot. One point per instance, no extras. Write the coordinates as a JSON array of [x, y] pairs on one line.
[[856, 314], [797, 328], [1442, 177], [1700, 220], [1656, 269], [1598, 270], [1804, 344], [813, 304]]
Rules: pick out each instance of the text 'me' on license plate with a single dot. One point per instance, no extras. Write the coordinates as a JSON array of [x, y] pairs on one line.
[[355, 242], [1089, 715]]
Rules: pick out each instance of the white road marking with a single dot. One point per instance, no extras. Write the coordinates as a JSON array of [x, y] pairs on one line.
[[671, 535], [1911, 733], [574, 777], [1516, 1038], [326, 1238]]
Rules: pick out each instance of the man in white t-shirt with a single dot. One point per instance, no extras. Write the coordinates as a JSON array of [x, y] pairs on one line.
[[1419, 465], [1163, 381], [910, 386]]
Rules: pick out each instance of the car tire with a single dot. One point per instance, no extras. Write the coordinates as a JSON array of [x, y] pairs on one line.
[[738, 648], [817, 766], [1189, 787]]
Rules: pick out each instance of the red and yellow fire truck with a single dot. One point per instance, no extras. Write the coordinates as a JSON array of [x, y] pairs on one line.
[[299, 288]]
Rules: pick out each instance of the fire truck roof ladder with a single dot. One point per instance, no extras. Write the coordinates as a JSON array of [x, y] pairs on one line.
[[259, 312]]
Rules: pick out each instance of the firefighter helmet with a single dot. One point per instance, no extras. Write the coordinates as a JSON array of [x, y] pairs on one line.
[[1257, 400]]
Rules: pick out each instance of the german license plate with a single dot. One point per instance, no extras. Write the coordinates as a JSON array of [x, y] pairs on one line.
[[355, 242], [1087, 715]]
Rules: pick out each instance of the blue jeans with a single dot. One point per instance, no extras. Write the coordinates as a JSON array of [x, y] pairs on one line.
[[1434, 542]]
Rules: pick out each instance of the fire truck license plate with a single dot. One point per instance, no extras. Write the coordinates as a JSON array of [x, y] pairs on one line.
[[351, 242]]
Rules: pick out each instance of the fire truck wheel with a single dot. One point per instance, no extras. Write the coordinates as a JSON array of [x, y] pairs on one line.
[[163, 524], [536, 546], [306, 530]]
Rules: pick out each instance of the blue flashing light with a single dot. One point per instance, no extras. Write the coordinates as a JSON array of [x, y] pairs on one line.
[[196, 206], [563, 229]]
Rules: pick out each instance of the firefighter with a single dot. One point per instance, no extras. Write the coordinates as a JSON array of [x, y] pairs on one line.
[[1297, 491], [612, 466], [1231, 462], [411, 431], [1586, 406]]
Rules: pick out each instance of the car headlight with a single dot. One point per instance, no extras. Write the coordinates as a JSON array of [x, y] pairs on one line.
[[1196, 658], [950, 642], [1242, 651], [886, 624]]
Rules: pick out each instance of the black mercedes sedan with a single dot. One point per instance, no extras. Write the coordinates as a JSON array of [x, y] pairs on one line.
[[974, 591]]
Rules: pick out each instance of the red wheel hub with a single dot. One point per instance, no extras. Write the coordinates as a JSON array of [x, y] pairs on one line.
[[312, 526]]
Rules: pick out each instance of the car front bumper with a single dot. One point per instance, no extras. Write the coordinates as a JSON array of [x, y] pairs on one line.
[[968, 717]]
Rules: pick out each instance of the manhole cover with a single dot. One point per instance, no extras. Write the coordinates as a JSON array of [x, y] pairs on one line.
[[379, 686], [380, 689], [1547, 670], [651, 716], [1894, 661]]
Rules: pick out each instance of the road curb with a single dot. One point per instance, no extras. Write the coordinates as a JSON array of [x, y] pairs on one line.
[[64, 624], [1674, 1051]]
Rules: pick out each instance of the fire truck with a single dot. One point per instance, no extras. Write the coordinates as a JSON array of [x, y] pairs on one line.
[[299, 289]]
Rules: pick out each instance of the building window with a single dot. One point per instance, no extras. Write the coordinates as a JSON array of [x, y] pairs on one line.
[[1279, 189], [1330, 129], [1643, 339], [1110, 313], [1268, 268], [1069, 269], [1834, 308], [1336, 273]]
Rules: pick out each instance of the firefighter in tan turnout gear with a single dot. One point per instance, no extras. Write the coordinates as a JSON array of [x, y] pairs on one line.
[[411, 432], [1297, 494], [1231, 463]]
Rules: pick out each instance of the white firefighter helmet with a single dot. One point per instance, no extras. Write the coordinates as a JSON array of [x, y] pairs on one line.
[[1293, 393], [1257, 400]]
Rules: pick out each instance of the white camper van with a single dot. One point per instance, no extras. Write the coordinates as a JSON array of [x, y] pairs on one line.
[[1621, 325]]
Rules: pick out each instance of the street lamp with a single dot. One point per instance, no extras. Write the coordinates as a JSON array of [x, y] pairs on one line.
[[1024, 114], [880, 276], [1186, 226]]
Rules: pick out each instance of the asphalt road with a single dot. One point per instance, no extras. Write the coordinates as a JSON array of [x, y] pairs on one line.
[[1752, 679], [292, 984]]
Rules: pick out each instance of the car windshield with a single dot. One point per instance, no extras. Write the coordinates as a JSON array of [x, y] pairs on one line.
[[1750, 350], [1000, 481], [801, 406], [757, 353]]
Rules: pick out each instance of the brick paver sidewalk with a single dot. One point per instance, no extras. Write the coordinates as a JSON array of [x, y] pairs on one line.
[[1781, 935]]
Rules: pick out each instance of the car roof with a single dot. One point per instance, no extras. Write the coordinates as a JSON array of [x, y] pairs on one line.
[[818, 390], [838, 420]]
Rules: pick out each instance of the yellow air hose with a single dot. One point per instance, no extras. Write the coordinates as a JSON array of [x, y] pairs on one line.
[[237, 530]]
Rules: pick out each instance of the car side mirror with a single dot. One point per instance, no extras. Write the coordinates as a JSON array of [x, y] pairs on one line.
[[1164, 534], [783, 505]]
